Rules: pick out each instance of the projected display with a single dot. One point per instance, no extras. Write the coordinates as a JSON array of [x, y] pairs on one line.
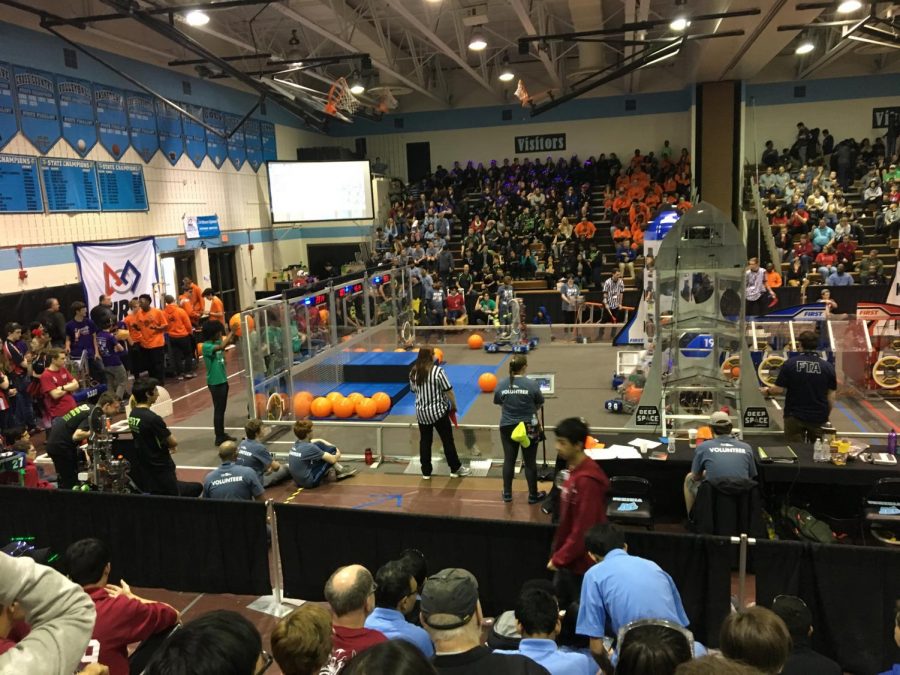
[[316, 191], [70, 184], [20, 186], [122, 187]]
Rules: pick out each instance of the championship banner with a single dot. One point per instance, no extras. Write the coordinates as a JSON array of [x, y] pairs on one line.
[[171, 137], [142, 124], [237, 152], [267, 134], [194, 135], [216, 149], [112, 120], [9, 127], [253, 143], [38, 110], [76, 106], [122, 270]]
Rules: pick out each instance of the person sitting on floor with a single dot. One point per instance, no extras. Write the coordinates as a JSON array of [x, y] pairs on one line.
[[311, 459], [123, 618], [230, 480], [537, 618], [802, 659], [254, 454]]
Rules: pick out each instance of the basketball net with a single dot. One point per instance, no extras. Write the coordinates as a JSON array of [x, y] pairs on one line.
[[387, 102], [340, 98]]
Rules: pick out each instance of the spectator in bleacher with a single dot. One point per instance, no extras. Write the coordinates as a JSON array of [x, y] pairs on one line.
[[123, 618], [451, 613], [350, 592], [804, 252], [802, 659], [758, 637], [222, 642], [254, 454], [30, 476], [57, 385], [653, 646], [60, 614], [538, 622], [625, 256], [796, 275], [231, 481], [871, 196], [395, 594], [846, 252], [54, 322], [839, 277], [889, 221], [767, 181], [822, 236], [302, 641], [17, 354], [582, 505], [826, 262], [770, 155], [773, 278], [620, 588]]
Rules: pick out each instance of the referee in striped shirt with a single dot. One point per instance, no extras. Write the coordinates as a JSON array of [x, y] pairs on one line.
[[613, 289], [435, 401]]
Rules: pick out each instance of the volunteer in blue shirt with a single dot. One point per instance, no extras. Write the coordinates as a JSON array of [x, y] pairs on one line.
[[252, 453], [809, 384], [621, 588], [310, 459], [719, 458], [537, 619], [520, 399], [231, 481], [395, 596]]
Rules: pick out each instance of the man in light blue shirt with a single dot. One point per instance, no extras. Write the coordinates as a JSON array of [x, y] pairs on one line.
[[395, 596], [839, 277], [822, 236], [537, 619], [622, 588], [231, 481]]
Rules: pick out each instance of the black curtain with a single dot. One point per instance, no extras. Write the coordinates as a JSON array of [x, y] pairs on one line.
[[159, 542], [850, 590], [315, 541], [701, 569], [24, 306]]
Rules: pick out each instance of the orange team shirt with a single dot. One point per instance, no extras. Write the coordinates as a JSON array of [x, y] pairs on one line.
[[685, 205], [638, 210], [622, 182], [635, 192], [134, 328], [192, 310], [641, 178], [217, 310], [153, 327], [196, 296], [773, 279], [670, 185], [637, 237], [620, 203], [621, 233], [652, 200], [585, 229], [179, 322]]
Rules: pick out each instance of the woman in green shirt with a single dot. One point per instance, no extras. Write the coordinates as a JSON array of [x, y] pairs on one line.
[[213, 350]]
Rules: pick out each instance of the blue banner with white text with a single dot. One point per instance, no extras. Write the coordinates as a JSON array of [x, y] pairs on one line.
[[216, 148], [76, 107], [237, 153], [267, 134], [171, 137], [194, 135], [37, 107], [142, 124], [112, 119], [8, 125], [253, 143]]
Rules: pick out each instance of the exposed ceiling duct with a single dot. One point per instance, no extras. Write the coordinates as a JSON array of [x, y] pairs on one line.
[[587, 15]]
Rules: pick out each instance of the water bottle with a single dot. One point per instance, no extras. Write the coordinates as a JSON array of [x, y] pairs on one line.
[[818, 450], [672, 442], [892, 442]]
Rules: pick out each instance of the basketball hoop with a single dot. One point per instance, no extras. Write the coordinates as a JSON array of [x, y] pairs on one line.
[[387, 102], [340, 98], [522, 94]]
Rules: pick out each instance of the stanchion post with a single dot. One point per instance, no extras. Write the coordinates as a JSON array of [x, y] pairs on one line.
[[273, 604], [744, 542], [379, 446]]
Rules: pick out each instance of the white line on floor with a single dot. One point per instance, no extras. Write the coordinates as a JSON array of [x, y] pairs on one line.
[[188, 466], [775, 403], [892, 405], [203, 388]]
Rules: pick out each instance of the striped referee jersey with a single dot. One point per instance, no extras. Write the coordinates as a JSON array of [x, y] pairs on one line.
[[431, 396], [612, 292]]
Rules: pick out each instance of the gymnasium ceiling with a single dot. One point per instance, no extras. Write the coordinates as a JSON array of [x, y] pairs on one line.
[[419, 48]]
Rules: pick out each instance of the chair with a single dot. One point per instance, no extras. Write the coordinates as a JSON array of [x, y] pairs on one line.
[[629, 501], [728, 507], [881, 510]]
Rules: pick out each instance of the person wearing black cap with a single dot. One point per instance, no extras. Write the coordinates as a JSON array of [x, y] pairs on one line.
[[802, 659], [451, 613]]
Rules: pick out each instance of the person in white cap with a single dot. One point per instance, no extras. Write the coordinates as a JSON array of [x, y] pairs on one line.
[[721, 457]]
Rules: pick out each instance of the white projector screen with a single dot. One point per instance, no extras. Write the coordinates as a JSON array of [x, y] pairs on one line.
[[302, 192]]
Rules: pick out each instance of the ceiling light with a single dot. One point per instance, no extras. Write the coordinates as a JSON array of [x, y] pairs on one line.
[[478, 42], [294, 41], [356, 85], [196, 17], [679, 24], [805, 47], [506, 74], [849, 6]]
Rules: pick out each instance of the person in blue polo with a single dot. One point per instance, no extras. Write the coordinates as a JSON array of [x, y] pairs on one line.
[[395, 596], [254, 454], [232, 481], [537, 619], [621, 588], [311, 459]]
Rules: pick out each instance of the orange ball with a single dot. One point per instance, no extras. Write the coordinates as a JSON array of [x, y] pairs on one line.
[[302, 401], [345, 338], [382, 402], [400, 349], [334, 396], [122, 335], [235, 324], [360, 349], [736, 372], [321, 407], [378, 349], [344, 408], [438, 354], [356, 397], [199, 350], [487, 382], [366, 408], [475, 341], [261, 402]]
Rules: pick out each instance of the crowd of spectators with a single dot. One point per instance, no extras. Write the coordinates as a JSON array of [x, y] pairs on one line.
[[529, 219], [816, 223], [403, 620]]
